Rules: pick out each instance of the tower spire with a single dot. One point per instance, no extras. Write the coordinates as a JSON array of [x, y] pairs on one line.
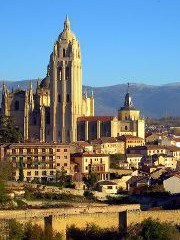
[[66, 24]]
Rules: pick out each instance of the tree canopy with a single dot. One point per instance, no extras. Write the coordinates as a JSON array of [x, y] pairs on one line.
[[8, 132]]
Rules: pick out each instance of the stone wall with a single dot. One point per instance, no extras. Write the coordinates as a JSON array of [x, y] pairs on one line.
[[104, 216]]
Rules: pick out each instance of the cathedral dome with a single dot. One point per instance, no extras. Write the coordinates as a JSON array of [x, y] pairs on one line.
[[67, 34]]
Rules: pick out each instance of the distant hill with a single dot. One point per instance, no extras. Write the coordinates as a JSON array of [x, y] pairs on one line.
[[153, 101]]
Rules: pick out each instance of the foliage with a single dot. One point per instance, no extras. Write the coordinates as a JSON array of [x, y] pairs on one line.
[[8, 132], [31, 232], [15, 230], [62, 179], [89, 195], [21, 204], [21, 173], [153, 229], [92, 232], [5, 174], [91, 180]]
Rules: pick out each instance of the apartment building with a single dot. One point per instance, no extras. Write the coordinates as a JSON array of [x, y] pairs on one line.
[[39, 161]]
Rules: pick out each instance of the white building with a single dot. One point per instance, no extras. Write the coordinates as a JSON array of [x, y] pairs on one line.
[[172, 184]]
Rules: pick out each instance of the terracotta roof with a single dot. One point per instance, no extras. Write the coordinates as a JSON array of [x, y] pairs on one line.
[[89, 155], [95, 118], [133, 155], [104, 140], [106, 183], [36, 144], [129, 137], [173, 148], [83, 143], [176, 139]]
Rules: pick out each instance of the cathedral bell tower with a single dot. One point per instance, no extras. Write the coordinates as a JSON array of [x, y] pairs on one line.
[[65, 86]]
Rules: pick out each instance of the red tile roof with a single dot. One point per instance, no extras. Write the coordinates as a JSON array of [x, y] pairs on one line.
[[95, 118]]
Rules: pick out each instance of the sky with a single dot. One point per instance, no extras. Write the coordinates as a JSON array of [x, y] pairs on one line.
[[121, 40]]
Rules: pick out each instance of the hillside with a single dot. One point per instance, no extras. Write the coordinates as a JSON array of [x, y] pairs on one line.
[[153, 101]]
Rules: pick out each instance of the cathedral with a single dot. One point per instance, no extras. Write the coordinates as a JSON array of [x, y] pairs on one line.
[[58, 111]]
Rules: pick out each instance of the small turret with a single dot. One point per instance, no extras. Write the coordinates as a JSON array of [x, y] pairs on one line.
[[92, 94], [31, 85]]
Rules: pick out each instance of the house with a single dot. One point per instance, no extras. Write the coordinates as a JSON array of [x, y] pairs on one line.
[[108, 187], [108, 145], [171, 141], [173, 151], [148, 150], [172, 184], [136, 181], [131, 141], [88, 163], [134, 160], [153, 137]]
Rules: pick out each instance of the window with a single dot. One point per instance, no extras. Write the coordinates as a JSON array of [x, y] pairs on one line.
[[58, 164], [65, 164], [65, 150], [67, 98], [67, 73], [34, 120], [50, 150], [43, 150], [16, 105], [51, 172], [64, 52], [109, 187], [126, 128], [28, 173], [65, 157], [43, 173], [43, 158], [35, 150], [86, 167], [60, 73], [59, 98], [58, 150], [36, 173], [58, 157], [13, 151], [21, 151], [47, 117]]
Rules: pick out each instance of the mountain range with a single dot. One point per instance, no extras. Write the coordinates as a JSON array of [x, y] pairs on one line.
[[153, 101]]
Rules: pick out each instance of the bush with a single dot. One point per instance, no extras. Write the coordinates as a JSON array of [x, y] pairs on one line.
[[153, 230], [89, 195]]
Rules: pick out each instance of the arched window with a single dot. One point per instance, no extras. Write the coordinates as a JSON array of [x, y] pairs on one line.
[[126, 128], [16, 105]]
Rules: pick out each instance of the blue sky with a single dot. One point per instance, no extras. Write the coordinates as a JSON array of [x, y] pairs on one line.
[[121, 40]]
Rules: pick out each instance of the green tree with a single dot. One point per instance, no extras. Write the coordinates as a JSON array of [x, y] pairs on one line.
[[8, 132], [5, 174], [21, 173], [91, 180], [15, 230]]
